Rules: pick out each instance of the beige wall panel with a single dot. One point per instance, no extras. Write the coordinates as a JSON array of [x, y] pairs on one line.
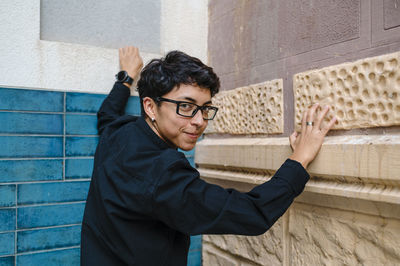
[[255, 109], [365, 93], [324, 236], [358, 159], [266, 249], [213, 257]]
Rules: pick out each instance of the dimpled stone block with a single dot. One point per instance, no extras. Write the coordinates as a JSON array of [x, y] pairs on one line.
[[362, 94], [325, 236], [259, 249], [255, 109]]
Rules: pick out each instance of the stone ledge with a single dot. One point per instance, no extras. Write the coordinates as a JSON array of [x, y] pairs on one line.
[[245, 181], [365, 159], [358, 167]]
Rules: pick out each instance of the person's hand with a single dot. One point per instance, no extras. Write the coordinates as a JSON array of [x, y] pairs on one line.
[[307, 144], [130, 60]]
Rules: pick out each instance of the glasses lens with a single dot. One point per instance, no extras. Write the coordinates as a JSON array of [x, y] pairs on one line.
[[209, 112], [186, 109]]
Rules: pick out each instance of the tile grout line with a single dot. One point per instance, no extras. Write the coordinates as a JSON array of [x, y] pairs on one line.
[[64, 131], [16, 225]]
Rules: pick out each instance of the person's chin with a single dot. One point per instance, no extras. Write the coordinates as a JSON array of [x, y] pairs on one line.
[[187, 146]]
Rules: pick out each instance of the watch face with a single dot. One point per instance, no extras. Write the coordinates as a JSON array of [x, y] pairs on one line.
[[121, 75]]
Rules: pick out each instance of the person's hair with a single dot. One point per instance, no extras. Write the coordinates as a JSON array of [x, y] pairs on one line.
[[160, 76]]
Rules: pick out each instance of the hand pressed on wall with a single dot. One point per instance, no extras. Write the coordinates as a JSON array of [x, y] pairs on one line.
[[130, 60], [307, 144]]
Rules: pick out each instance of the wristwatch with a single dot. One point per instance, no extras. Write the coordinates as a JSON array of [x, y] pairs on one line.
[[123, 77]]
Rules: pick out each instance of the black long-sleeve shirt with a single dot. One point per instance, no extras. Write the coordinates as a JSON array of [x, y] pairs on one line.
[[145, 199]]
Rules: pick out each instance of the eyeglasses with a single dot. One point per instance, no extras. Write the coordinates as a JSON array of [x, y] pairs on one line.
[[188, 109]]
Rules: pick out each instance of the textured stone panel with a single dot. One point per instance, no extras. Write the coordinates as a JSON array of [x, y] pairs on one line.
[[259, 249], [215, 258], [255, 109], [324, 236], [362, 94]]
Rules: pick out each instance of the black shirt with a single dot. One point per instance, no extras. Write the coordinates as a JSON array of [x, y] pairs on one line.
[[145, 199]]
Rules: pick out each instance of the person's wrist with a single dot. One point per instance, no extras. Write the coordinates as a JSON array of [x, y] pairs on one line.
[[304, 162]]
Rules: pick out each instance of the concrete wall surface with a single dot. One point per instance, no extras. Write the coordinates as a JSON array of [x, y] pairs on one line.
[[86, 59], [275, 58]]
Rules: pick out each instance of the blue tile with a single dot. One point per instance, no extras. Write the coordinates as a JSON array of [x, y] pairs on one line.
[[195, 242], [7, 261], [78, 168], [52, 192], [7, 243], [191, 161], [80, 146], [84, 102], [50, 238], [7, 195], [30, 170], [188, 153], [26, 147], [25, 123], [7, 219], [80, 124], [133, 106], [194, 258], [66, 257], [50, 215], [31, 100]]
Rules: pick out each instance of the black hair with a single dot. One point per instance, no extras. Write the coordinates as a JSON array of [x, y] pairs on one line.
[[160, 76]]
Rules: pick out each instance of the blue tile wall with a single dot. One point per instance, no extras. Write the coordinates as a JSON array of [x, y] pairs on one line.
[[80, 124], [7, 261], [31, 100], [78, 168], [7, 219], [7, 193], [47, 141], [28, 147], [52, 192], [49, 215], [80, 146], [30, 170], [65, 257], [7, 243], [28, 123], [48, 238]]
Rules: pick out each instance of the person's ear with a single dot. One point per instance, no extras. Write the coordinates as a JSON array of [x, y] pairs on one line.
[[150, 108]]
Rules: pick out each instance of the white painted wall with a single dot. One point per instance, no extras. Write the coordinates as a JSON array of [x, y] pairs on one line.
[[28, 62]]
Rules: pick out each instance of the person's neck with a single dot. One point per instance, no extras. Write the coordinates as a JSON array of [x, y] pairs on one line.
[[153, 126]]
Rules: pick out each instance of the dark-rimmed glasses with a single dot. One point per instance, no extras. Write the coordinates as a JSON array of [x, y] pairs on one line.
[[188, 109]]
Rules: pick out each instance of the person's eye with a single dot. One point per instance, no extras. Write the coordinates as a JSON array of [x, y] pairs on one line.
[[186, 106]]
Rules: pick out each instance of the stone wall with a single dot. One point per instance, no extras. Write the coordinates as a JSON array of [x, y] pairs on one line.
[[345, 54]]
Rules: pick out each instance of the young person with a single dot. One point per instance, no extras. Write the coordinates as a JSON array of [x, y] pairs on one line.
[[145, 199]]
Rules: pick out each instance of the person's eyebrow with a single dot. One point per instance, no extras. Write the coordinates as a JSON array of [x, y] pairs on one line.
[[193, 100]]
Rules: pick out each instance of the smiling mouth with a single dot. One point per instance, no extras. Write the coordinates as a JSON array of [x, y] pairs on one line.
[[193, 135]]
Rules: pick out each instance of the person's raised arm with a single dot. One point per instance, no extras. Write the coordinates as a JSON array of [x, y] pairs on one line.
[[114, 105]]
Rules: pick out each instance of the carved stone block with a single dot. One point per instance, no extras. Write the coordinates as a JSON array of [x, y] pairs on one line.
[[255, 109], [324, 236], [362, 94]]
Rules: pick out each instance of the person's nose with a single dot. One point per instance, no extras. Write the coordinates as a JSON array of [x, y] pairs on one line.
[[197, 119]]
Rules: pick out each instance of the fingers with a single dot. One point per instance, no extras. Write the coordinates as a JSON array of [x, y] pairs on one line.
[[321, 116], [292, 140], [329, 126]]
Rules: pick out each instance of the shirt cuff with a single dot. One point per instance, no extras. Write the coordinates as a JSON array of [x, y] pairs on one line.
[[295, 174]]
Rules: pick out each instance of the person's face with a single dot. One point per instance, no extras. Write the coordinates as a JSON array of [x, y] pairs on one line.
[[181, 132]]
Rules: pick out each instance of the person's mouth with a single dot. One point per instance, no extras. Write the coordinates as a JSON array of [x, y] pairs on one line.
[[193, 135]]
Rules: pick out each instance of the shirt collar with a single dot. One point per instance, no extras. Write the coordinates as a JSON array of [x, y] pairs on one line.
[[153, 136]]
